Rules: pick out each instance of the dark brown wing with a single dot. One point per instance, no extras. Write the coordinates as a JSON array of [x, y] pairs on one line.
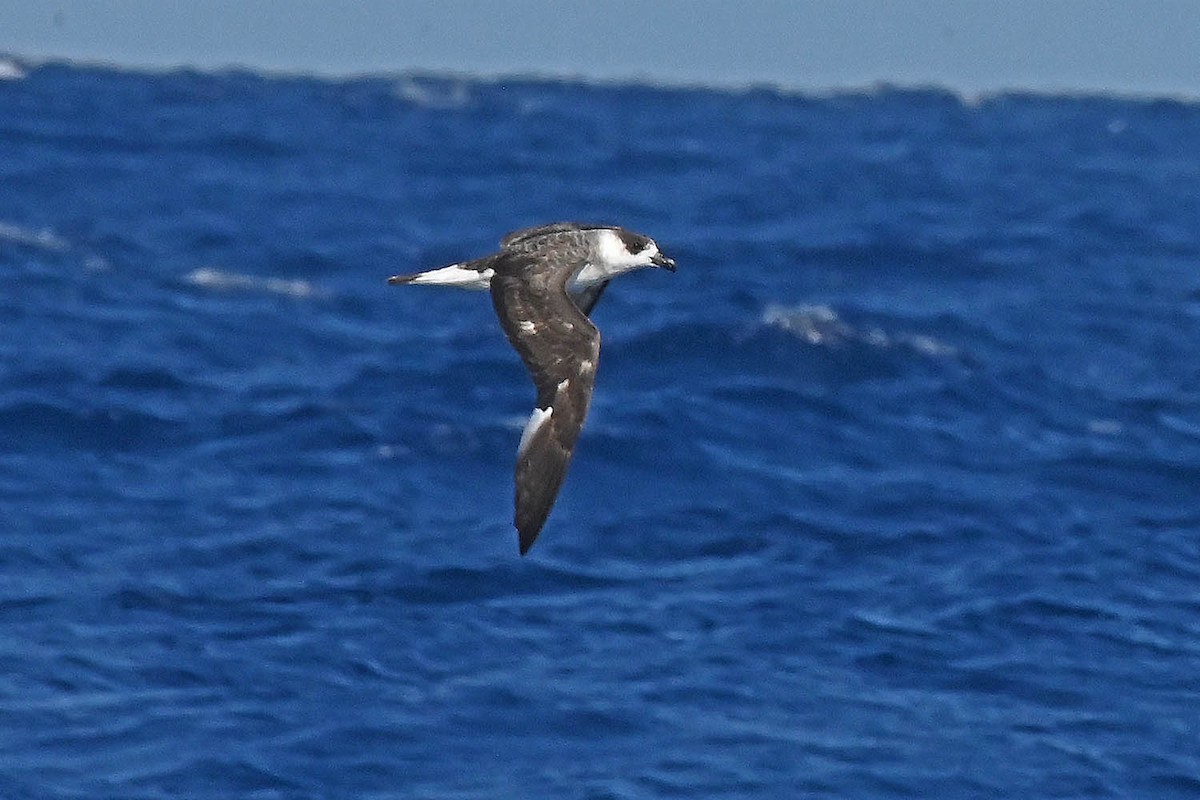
[[516, 237], [560, 348]]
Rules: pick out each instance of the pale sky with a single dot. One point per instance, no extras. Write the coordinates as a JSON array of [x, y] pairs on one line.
[[967, 45]]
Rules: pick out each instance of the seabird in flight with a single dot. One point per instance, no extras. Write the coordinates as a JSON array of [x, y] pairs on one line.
[[544, 282]]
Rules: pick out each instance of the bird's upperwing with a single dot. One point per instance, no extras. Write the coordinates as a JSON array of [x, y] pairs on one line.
[[515, 237], [560, 348], [520, 241]]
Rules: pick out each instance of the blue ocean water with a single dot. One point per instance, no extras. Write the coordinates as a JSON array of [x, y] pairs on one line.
[[892, 491]]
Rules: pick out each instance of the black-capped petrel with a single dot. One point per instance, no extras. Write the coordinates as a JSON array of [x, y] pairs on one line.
[[544, 282]]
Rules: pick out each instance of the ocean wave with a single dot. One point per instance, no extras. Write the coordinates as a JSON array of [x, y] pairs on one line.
[[823, 327], [414, 84], [11, 70], [972, 455], [435, 93], [43, 239], [47, 241], [224, 281], [41, 424]]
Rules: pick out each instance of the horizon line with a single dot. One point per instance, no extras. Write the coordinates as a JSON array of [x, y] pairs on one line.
[[14, 66]]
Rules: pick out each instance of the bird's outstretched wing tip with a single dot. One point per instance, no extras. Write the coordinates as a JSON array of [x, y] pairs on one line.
[[526, 540]]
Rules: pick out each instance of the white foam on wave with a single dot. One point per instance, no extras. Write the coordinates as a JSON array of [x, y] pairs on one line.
[[47, 240], [815, 324], [225, 281], [44, 239], [11, 70], [441, 95], [823, 327]]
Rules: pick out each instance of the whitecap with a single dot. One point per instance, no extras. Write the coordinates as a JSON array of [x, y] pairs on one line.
[[11, 70], [822, 326], [44, 239], [815, 324], [222, 280], [929, 346], [438, 95]]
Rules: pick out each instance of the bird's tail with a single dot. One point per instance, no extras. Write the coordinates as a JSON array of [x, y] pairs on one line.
[[468, 275]]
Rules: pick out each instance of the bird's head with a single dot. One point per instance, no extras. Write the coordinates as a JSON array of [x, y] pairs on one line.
[[637, 250]]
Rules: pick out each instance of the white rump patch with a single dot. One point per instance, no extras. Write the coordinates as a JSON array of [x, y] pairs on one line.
[[456, 275], [536, 420]]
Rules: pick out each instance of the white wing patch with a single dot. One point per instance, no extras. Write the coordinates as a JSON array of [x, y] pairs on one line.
[[527, 326], [455, 275], [536, 420]]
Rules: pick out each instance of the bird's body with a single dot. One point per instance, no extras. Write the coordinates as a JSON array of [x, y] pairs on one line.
[[544, 282]]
